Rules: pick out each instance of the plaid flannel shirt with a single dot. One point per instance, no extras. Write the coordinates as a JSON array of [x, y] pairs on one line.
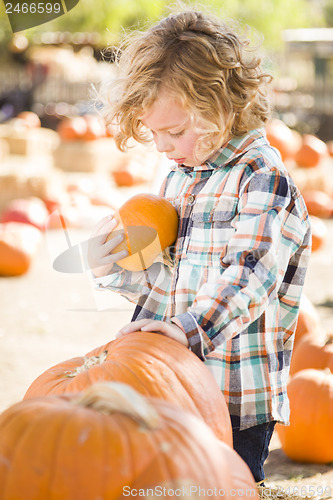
[[233, 279]]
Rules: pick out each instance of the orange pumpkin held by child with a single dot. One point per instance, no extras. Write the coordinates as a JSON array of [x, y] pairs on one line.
[[150, 224]]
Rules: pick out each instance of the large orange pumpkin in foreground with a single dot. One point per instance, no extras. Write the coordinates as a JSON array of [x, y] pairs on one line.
[[309, 437], [150, 224], [152, 364], [110, 441]]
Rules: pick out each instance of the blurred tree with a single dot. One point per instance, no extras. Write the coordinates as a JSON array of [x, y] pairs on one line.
[[110, 17], [328, 13]]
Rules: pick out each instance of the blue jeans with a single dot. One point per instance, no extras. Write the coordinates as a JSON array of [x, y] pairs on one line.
[[252, 445]]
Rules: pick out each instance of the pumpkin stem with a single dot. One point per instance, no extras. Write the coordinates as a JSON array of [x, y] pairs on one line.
[[87, 364], [115, 397]]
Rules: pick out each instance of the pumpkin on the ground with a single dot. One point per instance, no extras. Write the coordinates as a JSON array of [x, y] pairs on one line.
[[313, 352], [283, 138], [109, 441], [152, 364], [31, 210], [318, 203], [18, 245], [150, 224], [72, 128], [319, 233], [312, 151], [309, 437], [30, 119], [308, 320]]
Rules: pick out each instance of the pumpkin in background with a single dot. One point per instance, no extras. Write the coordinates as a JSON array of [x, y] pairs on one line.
[[309, 437], [313, 352], [308, 319], [281, 137], [72, 128], [152, 364], [318, 203], [312, 151], [30, 119], [150, 224], [18, 246], [95, 128], [319, 233], [91, 445], [30, 210]]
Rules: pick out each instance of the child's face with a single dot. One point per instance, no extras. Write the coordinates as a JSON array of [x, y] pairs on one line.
[[173, 130]]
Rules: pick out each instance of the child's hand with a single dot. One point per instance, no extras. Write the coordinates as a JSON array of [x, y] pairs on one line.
[[99, 258], [150, 325]]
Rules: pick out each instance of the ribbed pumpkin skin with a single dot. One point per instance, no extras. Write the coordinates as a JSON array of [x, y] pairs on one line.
[[53, 449], [309, 438], [150, 211], [155, 366]]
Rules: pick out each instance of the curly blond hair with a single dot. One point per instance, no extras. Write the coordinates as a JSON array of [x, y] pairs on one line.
[[199, 60]]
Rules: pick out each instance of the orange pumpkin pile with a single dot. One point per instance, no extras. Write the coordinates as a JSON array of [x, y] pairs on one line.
[[305, 156], [309, 437], [152, 364], [150, 224], [81, 128], [138, 414], [110, 441]]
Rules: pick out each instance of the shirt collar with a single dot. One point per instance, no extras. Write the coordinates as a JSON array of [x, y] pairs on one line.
[[237, 146]]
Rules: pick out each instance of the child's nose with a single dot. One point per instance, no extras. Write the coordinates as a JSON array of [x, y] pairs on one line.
[[163, 144]]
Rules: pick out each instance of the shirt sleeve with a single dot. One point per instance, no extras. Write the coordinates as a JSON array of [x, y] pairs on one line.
[[132, 285], [269, 229]]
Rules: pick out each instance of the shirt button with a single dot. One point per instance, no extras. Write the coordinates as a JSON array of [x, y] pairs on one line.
[[190, 199]]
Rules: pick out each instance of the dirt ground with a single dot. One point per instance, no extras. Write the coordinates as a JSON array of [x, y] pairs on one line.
[[47, 317]]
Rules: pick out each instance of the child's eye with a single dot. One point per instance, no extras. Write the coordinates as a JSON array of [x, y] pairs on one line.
[[178, 134]]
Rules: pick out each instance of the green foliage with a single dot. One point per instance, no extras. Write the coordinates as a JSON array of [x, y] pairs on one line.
[[328, 12], [111, 17]]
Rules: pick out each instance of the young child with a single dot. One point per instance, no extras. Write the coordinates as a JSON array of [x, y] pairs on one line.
[[229, 289]]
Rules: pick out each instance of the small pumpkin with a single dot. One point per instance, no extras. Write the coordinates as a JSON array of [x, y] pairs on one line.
[[318, 203], [309, 437], [319, 233], [312, 151], [110, 440], [150, 224], [95, 128], [283, 138], [72, 128], [313, 352], [30, 119], [152, 364], [308, 319], [31, 210], [18, 245]]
